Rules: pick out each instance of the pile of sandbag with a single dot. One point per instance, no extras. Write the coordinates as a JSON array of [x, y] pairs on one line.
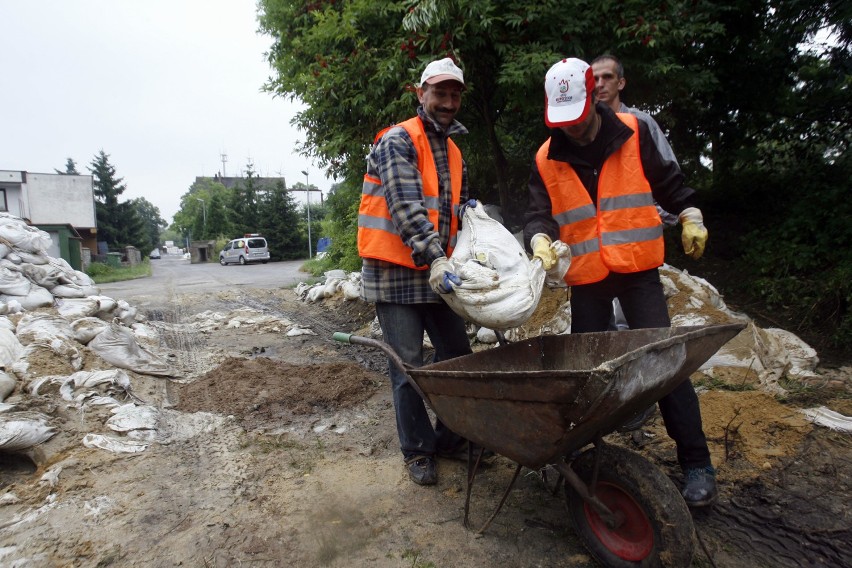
[[50, 312]]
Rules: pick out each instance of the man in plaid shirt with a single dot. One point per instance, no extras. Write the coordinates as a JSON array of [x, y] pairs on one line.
[[416, 180]]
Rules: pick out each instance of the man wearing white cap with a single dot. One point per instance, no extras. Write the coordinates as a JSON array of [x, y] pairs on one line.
[[415, 182], [594, 184]]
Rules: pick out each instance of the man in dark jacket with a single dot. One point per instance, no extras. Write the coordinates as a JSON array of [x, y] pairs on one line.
[[593, 185]]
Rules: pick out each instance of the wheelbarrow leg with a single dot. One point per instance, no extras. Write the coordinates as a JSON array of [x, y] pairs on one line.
[[587, 492], [472, 468]]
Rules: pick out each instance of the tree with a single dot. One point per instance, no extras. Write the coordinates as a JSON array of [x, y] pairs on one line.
[[756, 120], [208, 195], [70, 168], [118, 222], [152, 222], [244, 203], [280, 223], [353, 62]]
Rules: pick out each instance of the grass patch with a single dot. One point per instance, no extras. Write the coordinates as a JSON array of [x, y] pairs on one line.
[[415, 559], [102, 273], [716, 383]]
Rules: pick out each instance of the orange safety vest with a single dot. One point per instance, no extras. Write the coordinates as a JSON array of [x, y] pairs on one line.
[[623, 232], [377, 235]]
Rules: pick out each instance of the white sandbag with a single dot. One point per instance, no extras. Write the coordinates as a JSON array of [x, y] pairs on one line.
[[117, 345], [42, 327], [45, 276], [125, 312], [106, 306], [351, 290], [6, 323], [82, 385], [10, 305], [37, 298], [317, 292], [132, 417], [13, 283], [500, 287], [37, 258], [7, 385], [113, 444], [83, 279], [21, 236], [22, 430], [68, 291], [76, 308], [10, 347]]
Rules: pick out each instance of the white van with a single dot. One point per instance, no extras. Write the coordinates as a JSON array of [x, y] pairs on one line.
[[250, 248]]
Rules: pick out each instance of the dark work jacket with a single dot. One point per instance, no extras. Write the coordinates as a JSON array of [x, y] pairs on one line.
[[665, 178]]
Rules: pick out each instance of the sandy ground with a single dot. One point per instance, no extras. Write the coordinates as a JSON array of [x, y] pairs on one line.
[[277, 449]]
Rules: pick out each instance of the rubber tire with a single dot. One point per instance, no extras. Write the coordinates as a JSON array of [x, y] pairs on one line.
[[655, 501], [222, 261], [242, 260], [264, 261]]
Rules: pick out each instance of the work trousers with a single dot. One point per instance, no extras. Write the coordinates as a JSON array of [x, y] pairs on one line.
[[402, 328], [644, 304]]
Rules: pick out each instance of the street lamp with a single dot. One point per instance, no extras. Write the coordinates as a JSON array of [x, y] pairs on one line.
[[308, 192], [204, 211]]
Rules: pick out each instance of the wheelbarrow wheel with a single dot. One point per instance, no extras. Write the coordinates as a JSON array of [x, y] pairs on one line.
[[655, 524]]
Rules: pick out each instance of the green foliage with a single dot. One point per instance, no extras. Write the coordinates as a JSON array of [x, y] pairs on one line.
[[279, 221], [102, 273], [119, 223], [760, 125], [70, 168], [152, 222]]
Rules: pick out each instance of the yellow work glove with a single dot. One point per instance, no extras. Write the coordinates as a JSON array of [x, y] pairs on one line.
[[441, 276], [694, 235], [540, 244]]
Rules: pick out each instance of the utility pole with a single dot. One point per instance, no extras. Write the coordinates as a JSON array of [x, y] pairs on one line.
[[308, 190]]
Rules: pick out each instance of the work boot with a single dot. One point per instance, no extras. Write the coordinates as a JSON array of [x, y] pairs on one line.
[[460, 453], [421, 470], [639, 420], [699, 487]]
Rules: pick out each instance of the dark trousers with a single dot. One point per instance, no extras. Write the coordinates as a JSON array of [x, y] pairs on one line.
[[402, 328], [644, 305]]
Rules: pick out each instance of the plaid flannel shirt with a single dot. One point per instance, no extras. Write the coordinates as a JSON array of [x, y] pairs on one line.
[[394, 161]]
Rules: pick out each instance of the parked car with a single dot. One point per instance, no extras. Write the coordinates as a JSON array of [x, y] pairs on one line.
[[154, 254], [250, 248]]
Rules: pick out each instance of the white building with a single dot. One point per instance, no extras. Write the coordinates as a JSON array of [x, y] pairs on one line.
[[62, 205]]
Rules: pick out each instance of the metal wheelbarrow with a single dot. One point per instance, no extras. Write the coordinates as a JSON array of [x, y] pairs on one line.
[[540, 401]]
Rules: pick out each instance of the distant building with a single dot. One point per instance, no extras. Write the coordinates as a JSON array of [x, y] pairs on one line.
[[62, 205]]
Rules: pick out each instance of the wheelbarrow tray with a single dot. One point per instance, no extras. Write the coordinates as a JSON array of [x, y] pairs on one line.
[[537, 400]]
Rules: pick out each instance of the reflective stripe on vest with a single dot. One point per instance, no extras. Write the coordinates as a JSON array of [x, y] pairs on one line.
[[377, 235], [624, 232]]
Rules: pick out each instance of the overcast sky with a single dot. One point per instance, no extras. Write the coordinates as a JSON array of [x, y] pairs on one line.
[[164, 87]]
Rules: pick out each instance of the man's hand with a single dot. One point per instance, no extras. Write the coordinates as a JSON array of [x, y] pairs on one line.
[[441, 276], [694, 235], [540, 244]]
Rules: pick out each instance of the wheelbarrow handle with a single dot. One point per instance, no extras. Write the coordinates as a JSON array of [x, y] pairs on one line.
[[395, 359], [369, 342]]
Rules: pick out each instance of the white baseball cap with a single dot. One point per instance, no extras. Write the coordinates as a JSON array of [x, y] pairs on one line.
[[442, 70], [568, 88]]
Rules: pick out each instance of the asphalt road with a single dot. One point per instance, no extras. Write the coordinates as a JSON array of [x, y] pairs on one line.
[[175, 273]]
